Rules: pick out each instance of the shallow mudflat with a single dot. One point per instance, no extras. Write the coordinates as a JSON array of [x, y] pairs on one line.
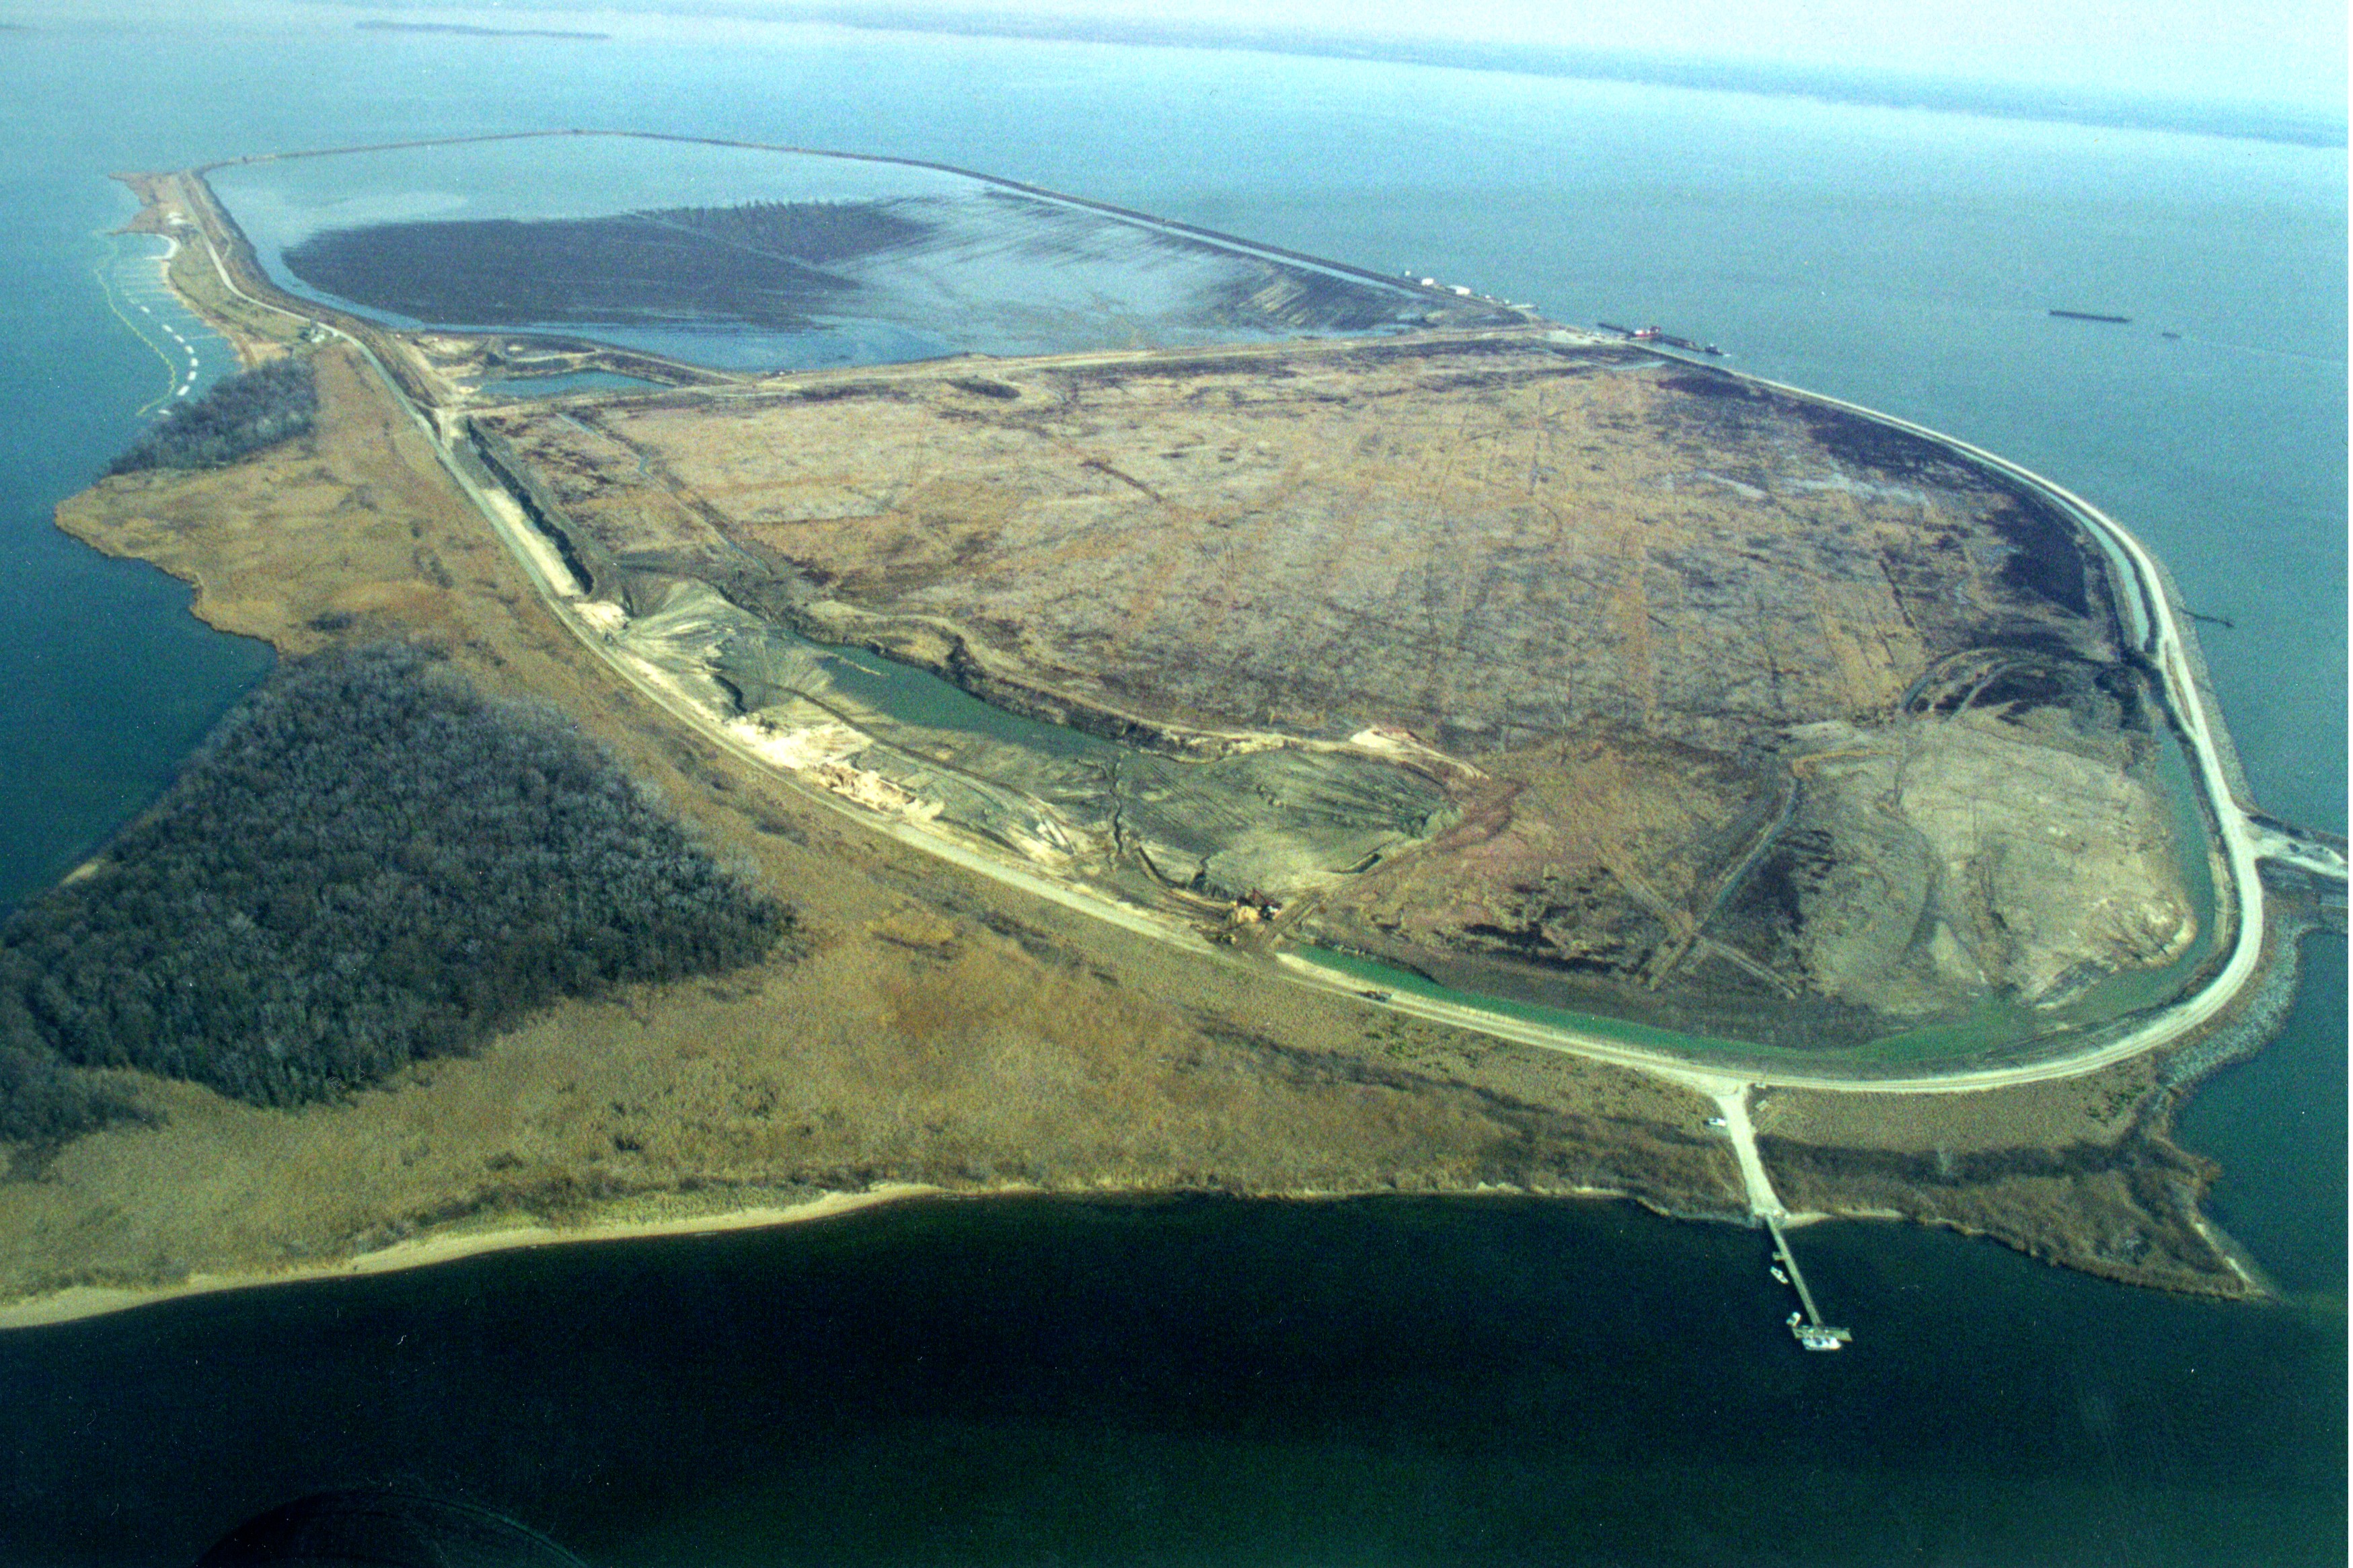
[[756, 258]]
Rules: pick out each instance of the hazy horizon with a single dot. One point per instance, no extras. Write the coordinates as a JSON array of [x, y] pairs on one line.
[[2187, 66], [2287, 57]]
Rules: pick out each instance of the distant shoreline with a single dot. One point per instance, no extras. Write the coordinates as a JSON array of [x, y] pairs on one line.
[[77, 1303], [472, 32], [1868, 89]]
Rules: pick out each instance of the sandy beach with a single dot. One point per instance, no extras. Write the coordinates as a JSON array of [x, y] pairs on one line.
[[94, 1300]]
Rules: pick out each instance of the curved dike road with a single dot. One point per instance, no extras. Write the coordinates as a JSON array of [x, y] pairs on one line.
[[2244, 837]]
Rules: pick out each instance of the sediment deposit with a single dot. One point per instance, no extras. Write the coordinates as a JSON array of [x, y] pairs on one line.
[[1702, 705]]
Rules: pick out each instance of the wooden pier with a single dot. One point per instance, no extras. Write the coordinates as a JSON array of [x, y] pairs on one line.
[[1807, 1326]]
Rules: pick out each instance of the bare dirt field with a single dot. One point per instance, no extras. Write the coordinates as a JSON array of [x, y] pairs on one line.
[[1744, 715]]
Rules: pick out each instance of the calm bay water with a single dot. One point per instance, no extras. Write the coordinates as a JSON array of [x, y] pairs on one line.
[[1407, 1380], [1396, 1382]]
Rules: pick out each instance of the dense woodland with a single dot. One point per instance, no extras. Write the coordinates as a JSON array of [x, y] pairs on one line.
[[368, 863], [42, 1099], [237, 414]]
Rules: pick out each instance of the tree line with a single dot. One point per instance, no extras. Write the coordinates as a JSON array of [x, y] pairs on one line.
[[368, 863], [237, 414]]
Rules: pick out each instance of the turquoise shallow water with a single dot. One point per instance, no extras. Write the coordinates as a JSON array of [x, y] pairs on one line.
[[107, 681], [1378, 1382]]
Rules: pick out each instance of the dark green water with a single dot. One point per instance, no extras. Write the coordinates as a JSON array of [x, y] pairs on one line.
[[1367, 1383], [1410, 1381], [2282, 1114]]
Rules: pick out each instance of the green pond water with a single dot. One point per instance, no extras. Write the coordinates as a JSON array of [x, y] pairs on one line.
[[565, 382]]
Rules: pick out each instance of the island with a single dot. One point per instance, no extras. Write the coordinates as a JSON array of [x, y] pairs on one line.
[[1290, 732]]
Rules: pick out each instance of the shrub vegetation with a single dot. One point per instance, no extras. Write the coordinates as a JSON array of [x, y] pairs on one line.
[[237, 414], [42, 1100], [368, 863]]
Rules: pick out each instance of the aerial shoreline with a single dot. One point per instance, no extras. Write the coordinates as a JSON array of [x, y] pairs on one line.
[[78, 1303], [1757, 1106]]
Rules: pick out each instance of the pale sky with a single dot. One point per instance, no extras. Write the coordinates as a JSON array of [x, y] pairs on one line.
[[2284, 52]]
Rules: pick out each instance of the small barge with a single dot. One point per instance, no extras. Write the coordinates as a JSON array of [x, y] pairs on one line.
[[1653, 335]]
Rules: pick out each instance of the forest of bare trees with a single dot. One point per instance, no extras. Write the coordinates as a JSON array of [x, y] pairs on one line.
[[368, 863], [236, 415]]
